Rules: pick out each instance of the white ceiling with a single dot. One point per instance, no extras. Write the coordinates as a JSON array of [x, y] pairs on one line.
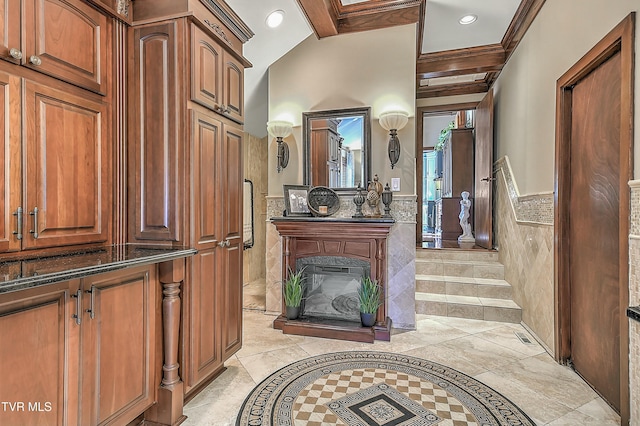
[[441, 32]]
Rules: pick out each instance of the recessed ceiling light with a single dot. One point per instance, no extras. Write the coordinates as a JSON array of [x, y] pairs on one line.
[[468, 19], [275, 18]]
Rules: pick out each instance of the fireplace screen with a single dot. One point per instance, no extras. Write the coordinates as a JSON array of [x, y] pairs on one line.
[[332, 287]]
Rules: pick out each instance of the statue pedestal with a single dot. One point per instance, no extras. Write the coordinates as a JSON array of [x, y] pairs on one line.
[[466, 239]]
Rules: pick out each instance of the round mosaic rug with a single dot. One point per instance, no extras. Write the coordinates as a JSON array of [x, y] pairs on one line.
[[375, 389]]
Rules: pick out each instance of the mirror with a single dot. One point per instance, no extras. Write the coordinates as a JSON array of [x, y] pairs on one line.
[[337, 148], [247, 216]]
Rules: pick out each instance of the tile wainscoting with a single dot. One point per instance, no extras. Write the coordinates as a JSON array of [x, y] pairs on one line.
[[401, 258], [524, 234]]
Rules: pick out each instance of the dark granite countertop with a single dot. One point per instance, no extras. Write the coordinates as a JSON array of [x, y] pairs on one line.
[[36, 271], [334, 219], [633, 312]]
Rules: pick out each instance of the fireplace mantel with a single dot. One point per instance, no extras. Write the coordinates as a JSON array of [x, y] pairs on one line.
[[364, 239]]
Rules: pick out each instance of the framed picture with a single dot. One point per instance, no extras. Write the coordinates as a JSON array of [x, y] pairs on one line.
[[295, 200]]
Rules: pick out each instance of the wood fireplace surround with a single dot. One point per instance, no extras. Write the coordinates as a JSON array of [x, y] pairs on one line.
[[364, 239]]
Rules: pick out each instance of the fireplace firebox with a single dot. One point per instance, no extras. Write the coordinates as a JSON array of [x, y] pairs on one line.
[[335, 254]]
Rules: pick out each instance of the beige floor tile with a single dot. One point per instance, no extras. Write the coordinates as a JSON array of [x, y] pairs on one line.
[[261, 365]]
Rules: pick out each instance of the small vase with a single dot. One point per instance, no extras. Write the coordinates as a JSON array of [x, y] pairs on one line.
[[292, 312], [367, 319]]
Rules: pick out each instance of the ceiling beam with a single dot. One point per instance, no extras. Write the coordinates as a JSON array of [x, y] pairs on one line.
[[452, 89], [329, 17], [524, 16], [321, 15], [469, 60]]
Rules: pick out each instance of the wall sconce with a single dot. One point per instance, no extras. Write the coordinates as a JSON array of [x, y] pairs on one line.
[[394, 121], [280, 130]]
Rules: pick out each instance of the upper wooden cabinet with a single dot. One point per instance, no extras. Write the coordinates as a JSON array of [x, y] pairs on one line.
[[217, 80], [67, 39], [457, 159], [56, 188]]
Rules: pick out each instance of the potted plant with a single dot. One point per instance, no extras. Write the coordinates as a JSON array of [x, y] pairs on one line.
[[370, 297], [293, 290]]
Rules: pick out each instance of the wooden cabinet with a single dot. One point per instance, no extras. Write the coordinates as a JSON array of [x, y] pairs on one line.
[[82, 352], [199, 161], [49, 197], [39, 352], [118, 345], [458, 163], [66, 39], [217, 78]]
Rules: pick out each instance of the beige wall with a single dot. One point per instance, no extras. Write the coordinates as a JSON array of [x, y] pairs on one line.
[[373, 68], [561, 34]]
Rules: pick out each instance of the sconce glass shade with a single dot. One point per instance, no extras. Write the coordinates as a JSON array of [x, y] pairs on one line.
[[280, 130], [393, 121]]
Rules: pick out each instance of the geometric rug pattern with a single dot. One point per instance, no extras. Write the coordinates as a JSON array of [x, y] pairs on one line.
[[367, 388]]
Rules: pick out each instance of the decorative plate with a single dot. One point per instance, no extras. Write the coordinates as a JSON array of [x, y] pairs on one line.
[[323, 201]]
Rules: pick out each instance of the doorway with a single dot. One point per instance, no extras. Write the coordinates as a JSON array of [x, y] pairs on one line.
[[594, 105]]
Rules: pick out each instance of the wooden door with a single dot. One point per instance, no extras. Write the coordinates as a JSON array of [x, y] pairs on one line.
[[594, 150], [118, 345], [11, 213], [39, 352], [207, 206], [483, 189], [206, 69], [230, 282], [233, 88], [155, 198], [594, 229], [67, 39], [67, 163], [10, 30], [203, 355]]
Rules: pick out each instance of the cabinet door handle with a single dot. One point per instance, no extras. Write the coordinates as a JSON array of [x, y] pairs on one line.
[[18, 231], [35, 60], [91, 310], [34, 231], [78, 297], [15, 53]]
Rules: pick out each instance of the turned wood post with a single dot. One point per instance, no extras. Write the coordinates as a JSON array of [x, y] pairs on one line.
[[168, 410]]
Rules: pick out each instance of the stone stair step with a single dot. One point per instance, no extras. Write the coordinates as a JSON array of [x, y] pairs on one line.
[[481, 308], [464, 286], [457, 254], [464, 268]]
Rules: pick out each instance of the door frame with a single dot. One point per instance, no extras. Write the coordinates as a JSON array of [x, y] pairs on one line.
[[420, 114], [620, 39]]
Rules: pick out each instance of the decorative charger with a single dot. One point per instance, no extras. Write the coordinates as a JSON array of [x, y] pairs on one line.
[[323, 201]]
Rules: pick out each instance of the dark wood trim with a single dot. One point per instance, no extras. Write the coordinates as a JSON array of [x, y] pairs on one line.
[[437, 109], [330, 17], [469, 60], [524, 16], [620, 39], [452, 89]]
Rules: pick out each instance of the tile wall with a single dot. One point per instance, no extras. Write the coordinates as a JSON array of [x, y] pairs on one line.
[[634, 300], [524, 236], [255, 149]]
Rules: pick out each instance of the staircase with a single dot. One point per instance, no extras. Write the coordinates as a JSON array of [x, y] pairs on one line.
[[465, 284]]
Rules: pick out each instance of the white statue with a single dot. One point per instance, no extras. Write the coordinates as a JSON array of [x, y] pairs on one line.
[[465, 207]]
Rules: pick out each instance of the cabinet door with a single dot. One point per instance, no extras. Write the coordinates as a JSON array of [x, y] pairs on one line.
[[206, 69], [118, 341], [231, 256], [206, 140], [10, 179], [9, 29], [67, 39], [66, 160], [233, 88], [203, 354], [39, 355], [156, 199]]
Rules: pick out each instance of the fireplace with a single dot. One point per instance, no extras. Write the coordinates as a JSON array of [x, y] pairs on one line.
[[336, 253], [331, 287]]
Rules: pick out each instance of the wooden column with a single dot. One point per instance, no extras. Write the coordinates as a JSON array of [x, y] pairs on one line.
[[168, 410]]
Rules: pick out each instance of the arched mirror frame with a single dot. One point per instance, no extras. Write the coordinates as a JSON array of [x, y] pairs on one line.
[[307, 117]]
